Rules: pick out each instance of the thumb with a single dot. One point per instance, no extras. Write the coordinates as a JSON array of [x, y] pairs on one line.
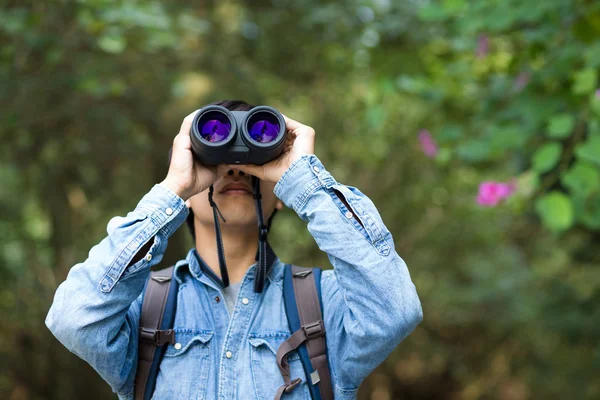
[[251, 169]]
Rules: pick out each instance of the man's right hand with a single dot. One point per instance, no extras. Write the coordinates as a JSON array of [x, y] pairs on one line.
[[186, 176]]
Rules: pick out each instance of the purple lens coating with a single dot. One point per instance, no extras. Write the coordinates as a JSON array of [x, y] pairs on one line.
[[263, 127], [214, 127]]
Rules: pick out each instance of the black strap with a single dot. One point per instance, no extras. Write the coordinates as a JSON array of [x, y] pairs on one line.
[[261, 265], [150, 336], [311, 332], [221, 252]]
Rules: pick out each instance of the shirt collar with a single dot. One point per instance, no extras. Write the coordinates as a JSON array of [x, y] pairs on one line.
[[199, 269]]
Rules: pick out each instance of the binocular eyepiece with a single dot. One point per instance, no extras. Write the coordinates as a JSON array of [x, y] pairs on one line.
[[220, 136]]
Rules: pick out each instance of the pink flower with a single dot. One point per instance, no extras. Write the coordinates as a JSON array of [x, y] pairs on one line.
[[521, 81], [427, 143], [491, 193], [483, 44]]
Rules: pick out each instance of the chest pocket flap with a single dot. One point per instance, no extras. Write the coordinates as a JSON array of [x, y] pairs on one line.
[[186, 339]]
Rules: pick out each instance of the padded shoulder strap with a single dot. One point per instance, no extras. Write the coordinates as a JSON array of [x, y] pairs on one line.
[[304, 309], [156, 320]]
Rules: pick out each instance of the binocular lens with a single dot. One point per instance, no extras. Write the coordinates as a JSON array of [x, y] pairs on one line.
[[214, 126], [263, 127]]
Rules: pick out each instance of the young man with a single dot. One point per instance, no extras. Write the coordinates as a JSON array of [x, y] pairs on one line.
[[227, 338]]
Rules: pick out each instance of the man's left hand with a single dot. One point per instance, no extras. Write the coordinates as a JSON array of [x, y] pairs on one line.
[[300, 141]]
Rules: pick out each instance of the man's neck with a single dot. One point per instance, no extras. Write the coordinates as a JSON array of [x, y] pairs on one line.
[[239, 246]]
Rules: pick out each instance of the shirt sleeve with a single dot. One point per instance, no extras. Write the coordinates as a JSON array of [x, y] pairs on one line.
[[96, 310], [370, 302]]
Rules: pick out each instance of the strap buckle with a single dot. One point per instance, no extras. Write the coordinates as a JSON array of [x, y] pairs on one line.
[[292, 385], [157, 337], [314, 329], [262, 233]]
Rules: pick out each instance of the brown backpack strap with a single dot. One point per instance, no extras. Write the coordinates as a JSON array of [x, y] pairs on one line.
[[150, 335], [312, 332]]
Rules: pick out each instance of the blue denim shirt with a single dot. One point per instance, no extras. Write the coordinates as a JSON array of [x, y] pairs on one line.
[[370, 303]]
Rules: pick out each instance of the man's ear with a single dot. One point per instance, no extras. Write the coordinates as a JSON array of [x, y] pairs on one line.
[[279, 205]]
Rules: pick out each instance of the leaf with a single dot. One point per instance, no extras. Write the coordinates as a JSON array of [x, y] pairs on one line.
[[584, 81], [561, 126], [546, 157], [589, 150], [432, 12], [112, 43], [508, 137], [595, 103], [473, 151], [587, 210], [555, 210], [582, 179]]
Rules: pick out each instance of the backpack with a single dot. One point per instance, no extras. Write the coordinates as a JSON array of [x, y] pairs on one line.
[[304, 310]]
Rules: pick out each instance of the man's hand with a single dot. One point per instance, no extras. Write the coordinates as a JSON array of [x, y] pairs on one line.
[[300, 141], [186, 176]]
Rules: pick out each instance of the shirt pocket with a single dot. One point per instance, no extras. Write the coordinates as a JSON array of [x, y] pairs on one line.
[[184, 369], [266, 377]]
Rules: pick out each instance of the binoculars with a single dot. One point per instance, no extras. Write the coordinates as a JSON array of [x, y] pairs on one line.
[[220, 136]]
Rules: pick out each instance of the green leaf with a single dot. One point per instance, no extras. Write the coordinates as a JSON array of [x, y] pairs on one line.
[[561, 126], [112, 43], [555, 210], [432, 12], [546, 157], [582, 179], [587, 210], [589, 150], [473, 151], [443, 156], [584, 81], [595, 103], [508, 137], [454, 6]]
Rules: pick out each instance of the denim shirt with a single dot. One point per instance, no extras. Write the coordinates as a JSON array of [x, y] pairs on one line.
[[370, 303]]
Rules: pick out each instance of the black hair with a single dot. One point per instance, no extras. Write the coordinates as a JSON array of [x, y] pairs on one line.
[[231, 105]]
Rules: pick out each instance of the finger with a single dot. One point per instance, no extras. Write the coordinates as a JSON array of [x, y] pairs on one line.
[[187, 122], [291, 124], [256, 170], [182, 141]]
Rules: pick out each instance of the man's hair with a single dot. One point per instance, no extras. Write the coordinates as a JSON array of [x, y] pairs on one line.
[[231, 105]]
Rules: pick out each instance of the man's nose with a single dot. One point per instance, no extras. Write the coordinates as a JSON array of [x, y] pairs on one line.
[[234, 172]]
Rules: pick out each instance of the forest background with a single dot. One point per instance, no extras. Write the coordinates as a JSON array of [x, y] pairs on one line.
[[473, 125]]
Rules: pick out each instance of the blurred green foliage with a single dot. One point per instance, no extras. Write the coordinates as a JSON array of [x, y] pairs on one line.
[[93, 92]]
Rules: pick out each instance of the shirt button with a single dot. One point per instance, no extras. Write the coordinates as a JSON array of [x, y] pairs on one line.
[[245, 300], [217, 299], [148, 257], [349, 214], [169, 211], [316, 169], [177, 346], [229, 354]]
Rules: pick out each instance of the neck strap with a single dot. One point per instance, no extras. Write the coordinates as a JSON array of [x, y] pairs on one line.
[[261, 254]]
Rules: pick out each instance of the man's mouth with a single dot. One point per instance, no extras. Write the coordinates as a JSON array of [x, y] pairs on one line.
[[236, 189]]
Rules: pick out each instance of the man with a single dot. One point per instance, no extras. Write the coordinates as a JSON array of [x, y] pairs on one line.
[[227, 338]]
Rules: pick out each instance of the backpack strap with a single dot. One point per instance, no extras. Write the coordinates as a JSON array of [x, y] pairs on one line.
[[304, 309], [156, 322]]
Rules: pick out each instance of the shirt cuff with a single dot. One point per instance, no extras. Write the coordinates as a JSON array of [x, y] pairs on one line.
[[164, 212], [166, 209], [305, 176]]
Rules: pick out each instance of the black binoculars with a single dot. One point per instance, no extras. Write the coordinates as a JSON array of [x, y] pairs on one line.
[[220, 136]]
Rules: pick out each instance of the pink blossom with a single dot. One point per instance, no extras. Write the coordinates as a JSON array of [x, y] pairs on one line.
[[491, 193], [428, 144], [483, 44], [521, 81]]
